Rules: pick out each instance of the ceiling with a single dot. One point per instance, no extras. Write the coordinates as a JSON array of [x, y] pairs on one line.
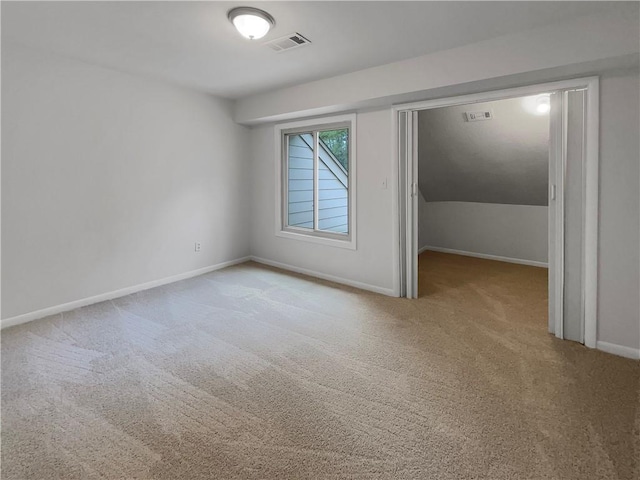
[[193, 44], [503, 160]]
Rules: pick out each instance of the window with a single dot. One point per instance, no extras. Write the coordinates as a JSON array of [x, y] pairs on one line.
[[316, 176]]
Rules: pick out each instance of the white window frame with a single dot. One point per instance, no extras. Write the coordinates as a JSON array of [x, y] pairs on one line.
[[307, 235]]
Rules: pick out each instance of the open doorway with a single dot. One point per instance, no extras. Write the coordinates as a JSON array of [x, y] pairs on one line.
[[497, 210], [483, 201]]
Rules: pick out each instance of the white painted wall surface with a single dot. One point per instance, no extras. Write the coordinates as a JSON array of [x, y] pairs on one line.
[[619, 226], [587, 46], [108, 180], [372, 263], [518, 232]]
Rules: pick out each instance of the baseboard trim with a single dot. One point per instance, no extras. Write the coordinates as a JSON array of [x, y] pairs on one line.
[[65, 307], [498, 258], [332, 278], [620, 350]]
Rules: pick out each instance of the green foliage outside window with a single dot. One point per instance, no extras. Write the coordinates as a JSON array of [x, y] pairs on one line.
[[337, 141]]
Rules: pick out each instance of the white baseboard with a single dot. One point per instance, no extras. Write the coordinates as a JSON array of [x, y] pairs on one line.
[[65, 307], [620, 350], [498, 258], [332, 278]]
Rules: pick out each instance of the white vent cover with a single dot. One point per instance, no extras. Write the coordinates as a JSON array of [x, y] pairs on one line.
[[478, 116], [293, 40]]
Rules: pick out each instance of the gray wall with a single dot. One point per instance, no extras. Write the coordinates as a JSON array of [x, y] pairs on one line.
[[502, 160], [373, 263], [484, 184], [619, 220], [141, 241], [516, 233], [108, 180], [579, 47]]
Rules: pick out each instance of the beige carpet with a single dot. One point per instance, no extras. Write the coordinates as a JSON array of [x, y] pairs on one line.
[[257, 374]]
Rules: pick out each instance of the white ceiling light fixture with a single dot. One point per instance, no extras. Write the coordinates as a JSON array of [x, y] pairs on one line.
[[252, 23], [538, 105], [543, 104]]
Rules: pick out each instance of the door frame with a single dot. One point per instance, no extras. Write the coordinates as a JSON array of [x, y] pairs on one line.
[[405, 209]]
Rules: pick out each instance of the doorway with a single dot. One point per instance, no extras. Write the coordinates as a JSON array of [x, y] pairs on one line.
[[571, 194]]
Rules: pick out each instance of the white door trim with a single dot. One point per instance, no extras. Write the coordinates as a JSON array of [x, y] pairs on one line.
[[591, 186], [590, 198]]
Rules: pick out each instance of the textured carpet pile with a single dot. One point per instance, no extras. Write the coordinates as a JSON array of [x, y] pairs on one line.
[[253, 373]]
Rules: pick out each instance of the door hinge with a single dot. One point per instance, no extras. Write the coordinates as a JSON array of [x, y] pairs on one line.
[[553, 192]]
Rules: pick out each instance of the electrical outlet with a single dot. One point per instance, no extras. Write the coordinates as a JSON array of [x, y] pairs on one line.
[[197, 246]]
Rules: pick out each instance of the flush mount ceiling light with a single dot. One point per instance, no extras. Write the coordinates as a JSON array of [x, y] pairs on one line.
[[252, 23], [543, 104], [538, 105]]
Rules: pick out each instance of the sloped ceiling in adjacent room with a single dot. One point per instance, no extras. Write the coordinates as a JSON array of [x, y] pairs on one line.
[[502, 160]]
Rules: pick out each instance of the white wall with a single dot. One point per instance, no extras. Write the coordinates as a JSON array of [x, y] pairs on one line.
[[108, 180], [126, 174], [619, 227], [372, 264], [585, 46], [518, 232]]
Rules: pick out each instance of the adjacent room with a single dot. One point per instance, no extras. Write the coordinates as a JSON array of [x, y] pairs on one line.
[[483, 184], [320, 240]]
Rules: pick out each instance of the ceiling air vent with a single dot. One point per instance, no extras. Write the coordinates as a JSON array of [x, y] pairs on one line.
[[293, 40], [478, 116]]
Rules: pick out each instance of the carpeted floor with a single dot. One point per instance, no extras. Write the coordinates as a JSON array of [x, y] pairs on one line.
[[254, 373]]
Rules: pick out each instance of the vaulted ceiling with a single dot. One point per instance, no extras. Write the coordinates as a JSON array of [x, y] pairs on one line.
[[503, 160], [193, 44]]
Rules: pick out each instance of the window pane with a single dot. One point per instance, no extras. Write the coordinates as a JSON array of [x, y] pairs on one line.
[[333, 181], [300, 180]]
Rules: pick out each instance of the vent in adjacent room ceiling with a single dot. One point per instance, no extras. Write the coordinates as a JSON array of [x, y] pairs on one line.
[[478, 116], [293, 40]]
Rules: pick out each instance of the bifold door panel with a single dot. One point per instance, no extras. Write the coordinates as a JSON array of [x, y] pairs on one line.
[[574, 128]]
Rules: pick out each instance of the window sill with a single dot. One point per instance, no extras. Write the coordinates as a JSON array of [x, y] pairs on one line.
[[349, 244]]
